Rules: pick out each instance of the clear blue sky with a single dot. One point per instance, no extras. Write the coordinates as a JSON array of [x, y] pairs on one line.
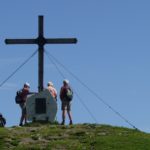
[[111, 56]]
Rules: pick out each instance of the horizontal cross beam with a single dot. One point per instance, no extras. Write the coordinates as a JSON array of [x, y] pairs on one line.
[[38, 41]]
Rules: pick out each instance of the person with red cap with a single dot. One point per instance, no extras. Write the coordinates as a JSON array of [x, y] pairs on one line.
[[24, 93]]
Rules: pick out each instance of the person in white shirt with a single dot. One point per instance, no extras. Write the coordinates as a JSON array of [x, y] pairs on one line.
[[52, 90]]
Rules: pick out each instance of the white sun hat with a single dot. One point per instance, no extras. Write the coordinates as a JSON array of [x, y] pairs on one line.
[[50, 83], [27, 84], [66, 81]]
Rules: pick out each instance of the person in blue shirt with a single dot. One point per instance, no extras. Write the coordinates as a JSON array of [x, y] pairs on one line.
[[2, 121]]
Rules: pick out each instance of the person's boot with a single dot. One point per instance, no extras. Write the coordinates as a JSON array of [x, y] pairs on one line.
[[71, 123], [20, 124]]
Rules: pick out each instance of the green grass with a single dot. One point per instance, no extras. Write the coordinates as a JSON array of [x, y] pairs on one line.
[[37, 136], [3, 135]]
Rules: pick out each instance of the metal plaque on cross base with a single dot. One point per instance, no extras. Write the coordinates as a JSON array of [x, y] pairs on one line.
[[41, 107]]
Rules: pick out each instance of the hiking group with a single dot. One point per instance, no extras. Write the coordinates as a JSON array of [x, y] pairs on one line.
[[66, 96]]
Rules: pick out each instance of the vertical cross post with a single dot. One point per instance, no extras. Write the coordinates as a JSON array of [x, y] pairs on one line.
[[40, 53]]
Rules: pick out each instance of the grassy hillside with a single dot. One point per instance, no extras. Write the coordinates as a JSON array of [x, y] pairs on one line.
[[76, 137]]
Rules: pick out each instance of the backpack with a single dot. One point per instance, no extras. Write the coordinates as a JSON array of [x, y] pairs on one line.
[[69, 94], [2, 122], [18, 97]]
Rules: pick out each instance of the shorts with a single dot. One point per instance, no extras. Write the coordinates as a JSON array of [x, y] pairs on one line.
[[23, 108], [66, 105]]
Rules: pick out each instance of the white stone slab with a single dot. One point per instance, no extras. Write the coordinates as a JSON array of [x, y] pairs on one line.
[[51, 107]]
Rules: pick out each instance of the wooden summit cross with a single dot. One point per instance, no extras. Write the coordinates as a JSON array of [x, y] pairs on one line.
[[41, 41]]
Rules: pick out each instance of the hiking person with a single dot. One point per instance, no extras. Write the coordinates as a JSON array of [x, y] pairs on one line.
[[2, 121], [23, 95], [52, 90], [66, 95]]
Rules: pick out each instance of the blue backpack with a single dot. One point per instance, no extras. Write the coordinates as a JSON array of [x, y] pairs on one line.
[[2, 121]]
